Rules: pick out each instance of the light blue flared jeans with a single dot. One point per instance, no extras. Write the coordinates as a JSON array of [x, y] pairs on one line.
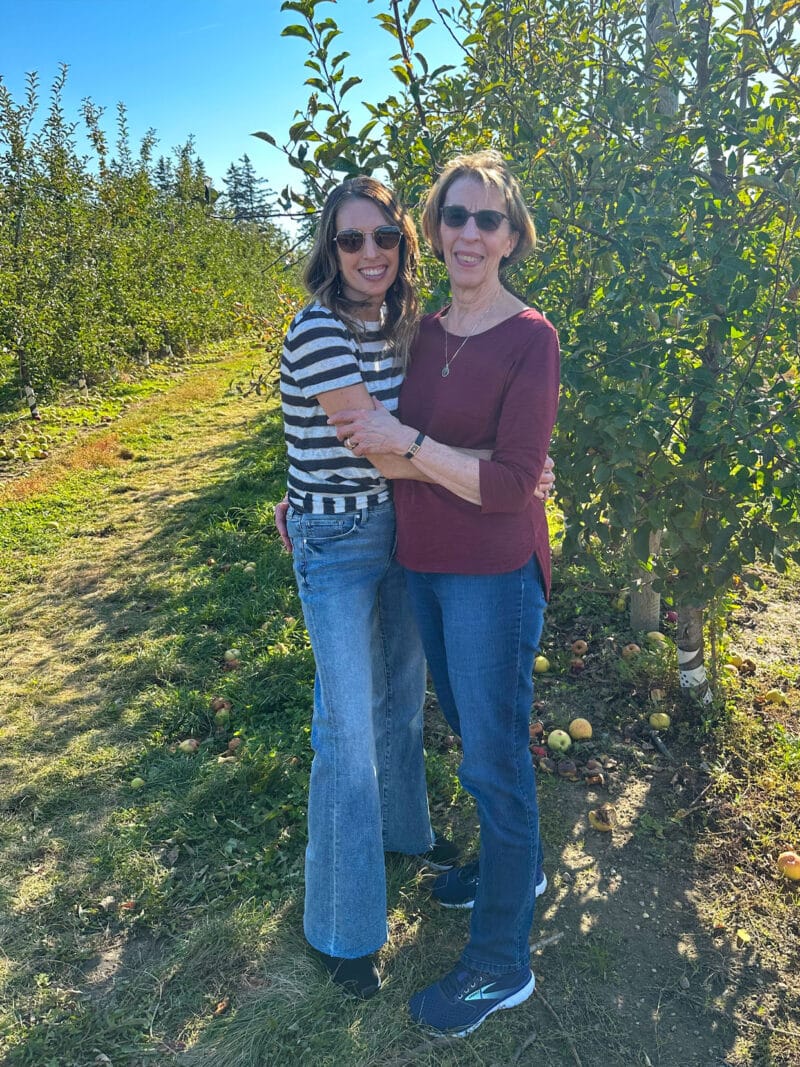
[[367, 793]]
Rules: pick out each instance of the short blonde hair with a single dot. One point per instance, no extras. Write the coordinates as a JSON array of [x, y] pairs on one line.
[[491, 171]]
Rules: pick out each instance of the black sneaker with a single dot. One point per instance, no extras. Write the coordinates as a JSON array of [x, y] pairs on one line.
[[358, 977], [456, 888], [443, 856]]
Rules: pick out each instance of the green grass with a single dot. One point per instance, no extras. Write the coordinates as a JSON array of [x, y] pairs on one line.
[[163, 924]]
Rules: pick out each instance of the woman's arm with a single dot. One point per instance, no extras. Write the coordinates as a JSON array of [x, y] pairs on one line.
[[506, 481]]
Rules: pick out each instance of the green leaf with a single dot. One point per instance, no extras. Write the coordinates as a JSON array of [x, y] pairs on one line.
[[297, 31]]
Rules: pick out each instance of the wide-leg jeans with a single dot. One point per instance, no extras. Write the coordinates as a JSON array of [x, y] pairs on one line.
[[367, 792], [480, 634]]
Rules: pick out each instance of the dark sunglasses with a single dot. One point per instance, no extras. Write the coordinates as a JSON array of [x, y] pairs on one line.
[[455, 216], [385, 237]]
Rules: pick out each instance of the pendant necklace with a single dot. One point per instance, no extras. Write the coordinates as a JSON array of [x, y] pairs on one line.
[[449, 360]]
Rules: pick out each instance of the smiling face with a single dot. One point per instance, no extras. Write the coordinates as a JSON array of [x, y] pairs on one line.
[[368, 273], [473, 256]]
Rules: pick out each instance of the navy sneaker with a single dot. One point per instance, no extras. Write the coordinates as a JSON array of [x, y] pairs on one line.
[[459, 1003], [457, 888], [443, 856]]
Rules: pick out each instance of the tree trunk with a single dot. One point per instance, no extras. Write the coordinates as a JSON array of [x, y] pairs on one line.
[[691, 659], [645, 603]]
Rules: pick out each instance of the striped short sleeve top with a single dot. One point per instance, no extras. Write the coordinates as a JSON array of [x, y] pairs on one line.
[[320, 354]]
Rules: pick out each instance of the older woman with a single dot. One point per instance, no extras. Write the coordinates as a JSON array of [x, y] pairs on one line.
[[484, 374]]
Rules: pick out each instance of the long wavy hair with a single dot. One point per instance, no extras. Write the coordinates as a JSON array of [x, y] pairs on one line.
[[322, 275]]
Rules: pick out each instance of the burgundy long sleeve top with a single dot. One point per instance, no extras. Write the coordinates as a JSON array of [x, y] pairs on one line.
[[501, 394]]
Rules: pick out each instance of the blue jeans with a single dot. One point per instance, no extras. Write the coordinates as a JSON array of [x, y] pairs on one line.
[[480, 634], [367, 792]]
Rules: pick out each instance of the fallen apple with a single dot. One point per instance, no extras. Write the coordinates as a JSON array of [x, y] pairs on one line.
[[735, 660], [249, 568], [568, 769], [576, 665], [657, 695], [789, 865], [137, 783], [231, 654], [538, 751], [191, 744], [671, 616], [775, 696], [234, 744], [222, 717], [547, 765], [603, 818], [659, 720], [220, 703], [579, 648], [619, 604], [558, 740], [541, 664], [730, 669], [655, 637], [580, 729], [536, 729], [630, 650]]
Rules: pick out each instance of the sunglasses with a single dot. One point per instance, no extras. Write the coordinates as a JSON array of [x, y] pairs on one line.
[[385, 237], [456, 217]]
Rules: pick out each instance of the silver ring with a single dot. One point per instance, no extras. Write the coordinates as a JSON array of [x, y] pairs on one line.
[[348, 443]]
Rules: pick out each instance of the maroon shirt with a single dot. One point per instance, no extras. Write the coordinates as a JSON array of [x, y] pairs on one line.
[[502, 394]]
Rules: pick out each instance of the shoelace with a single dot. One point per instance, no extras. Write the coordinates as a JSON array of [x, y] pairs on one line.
[[460, 982]]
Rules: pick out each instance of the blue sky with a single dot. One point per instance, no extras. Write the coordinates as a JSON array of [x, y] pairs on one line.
[[218, 69]]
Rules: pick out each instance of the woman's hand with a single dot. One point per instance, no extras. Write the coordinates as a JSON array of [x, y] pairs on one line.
[[547, 480], [376, 431], [280, 522]]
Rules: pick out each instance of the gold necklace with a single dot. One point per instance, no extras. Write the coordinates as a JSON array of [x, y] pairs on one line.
[[448, 361]]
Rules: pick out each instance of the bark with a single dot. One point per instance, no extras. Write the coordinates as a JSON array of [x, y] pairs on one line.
[[691, 658], [645, 603]]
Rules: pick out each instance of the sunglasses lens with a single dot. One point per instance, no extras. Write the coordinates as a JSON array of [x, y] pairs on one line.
[[387, 237], [454, 216], [488, 220], [350, 240]]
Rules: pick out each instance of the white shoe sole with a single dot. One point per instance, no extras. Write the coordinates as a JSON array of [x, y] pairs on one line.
[[511, 1002]]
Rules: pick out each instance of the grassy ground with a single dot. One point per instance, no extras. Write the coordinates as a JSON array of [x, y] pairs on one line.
[[150, 898]]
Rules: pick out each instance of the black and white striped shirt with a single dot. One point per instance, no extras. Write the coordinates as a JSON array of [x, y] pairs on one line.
[[321, 354]]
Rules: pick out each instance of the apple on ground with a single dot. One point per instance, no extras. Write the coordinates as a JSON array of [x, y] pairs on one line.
[[580, 729], [659, 720], [576, 664], [222, 717], [249, 568], [579, 648], [789, 864], [630, 650], [220, 704], [619, 603], [671, 616], [558, 740], [655, 637], [657, 695], [541, 664], [190, 744], [137, 783], [775, 696], [231, 654]]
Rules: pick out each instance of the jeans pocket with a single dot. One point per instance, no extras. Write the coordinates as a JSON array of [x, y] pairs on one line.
[[322, 529]]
